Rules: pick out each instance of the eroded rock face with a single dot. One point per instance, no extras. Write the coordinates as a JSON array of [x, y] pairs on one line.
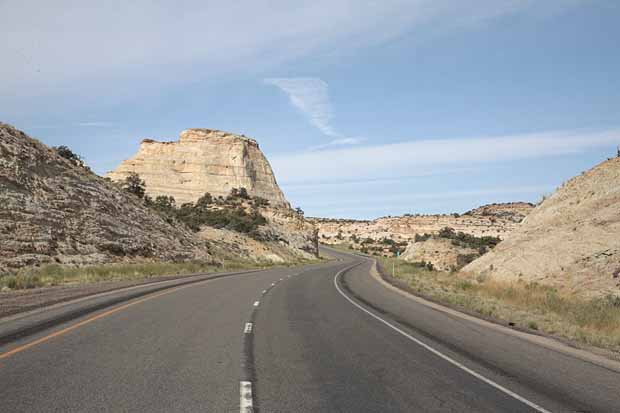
[[570, 241], [495, 220], [203, 160], [441, 252], [53, 211]]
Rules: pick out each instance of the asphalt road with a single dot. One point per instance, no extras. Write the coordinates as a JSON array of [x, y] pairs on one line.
[[303, 343]]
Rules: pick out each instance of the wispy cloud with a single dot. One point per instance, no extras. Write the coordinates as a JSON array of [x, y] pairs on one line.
[[339, 142], [406, 158], [98, 124], [311, 96]]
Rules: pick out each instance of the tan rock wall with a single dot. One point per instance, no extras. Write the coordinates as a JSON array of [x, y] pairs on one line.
[[440, 252], [490, 220], [203, 160]]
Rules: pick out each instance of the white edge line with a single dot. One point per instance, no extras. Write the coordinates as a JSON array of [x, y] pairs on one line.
[[246, 404], [439, 354], [248, 328], [256, 303]]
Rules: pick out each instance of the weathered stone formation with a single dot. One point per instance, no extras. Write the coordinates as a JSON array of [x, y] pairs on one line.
[[53, 210], [571, 240], [286, 237], [442, 253], [203, 160], [496, 220]]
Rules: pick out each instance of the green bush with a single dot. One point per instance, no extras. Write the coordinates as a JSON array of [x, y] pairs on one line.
[[464, 259], [468, 241], [232, 216], [134, 185], [67, 153]]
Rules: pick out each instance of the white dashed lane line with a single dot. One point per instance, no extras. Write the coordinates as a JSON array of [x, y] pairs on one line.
[[248, 328], [246, 402], [246, 399]]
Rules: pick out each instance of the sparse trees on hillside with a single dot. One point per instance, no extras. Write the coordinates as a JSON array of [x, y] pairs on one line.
[[229, 215]]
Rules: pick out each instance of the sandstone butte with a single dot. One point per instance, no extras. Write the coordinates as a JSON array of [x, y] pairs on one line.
[[203, 160], [570, 241]]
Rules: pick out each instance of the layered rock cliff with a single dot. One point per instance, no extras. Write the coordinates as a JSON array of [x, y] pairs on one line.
[[571, 240], [496, 220], [53, 210], [203, 160], [442, 253]]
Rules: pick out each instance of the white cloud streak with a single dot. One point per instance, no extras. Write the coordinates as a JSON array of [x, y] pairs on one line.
[[311, 96], [408, 158], [95, 124], [339, 142]]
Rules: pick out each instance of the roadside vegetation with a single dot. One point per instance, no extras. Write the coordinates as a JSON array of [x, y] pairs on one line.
[[55, 274], [528, 305]]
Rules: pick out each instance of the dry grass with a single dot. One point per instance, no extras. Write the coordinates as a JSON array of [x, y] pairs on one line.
[[592, 321], [51, 275]]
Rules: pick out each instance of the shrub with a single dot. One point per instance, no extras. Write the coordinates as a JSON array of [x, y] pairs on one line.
[[421, 238], [469, 241], [67, 153], [234, 218], [464, 259], [134, 185], [238, 193], [261, 202]]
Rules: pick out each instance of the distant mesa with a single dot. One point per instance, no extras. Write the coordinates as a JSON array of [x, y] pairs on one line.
[[203, 160]]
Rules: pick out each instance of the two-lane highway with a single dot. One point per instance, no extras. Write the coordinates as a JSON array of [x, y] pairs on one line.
[[313, 339]]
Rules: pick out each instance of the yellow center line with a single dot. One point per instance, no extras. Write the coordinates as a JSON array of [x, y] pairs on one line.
[[87, 321]]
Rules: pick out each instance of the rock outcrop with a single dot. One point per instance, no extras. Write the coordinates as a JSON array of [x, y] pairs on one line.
[[442, 253], [571, 240], [496, 220], [286, 237], [203, 160], [53, 210]]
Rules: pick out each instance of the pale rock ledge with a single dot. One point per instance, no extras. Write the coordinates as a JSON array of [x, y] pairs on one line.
[[203, 160]]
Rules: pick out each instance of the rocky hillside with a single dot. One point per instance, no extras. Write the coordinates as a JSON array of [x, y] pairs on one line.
[[441, 253], [286, 236], [203, 160], [571, 240], [496, 220], [54, 210]]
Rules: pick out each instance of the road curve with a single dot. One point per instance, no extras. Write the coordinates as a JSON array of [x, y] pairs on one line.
[[325, 337]]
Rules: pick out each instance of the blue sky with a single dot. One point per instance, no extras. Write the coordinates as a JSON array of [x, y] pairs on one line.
[[364, 108]]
